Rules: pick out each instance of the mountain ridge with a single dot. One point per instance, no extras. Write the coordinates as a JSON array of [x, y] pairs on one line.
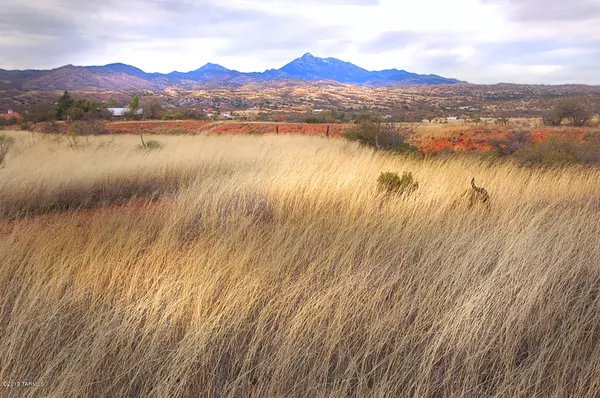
[[120, 76]]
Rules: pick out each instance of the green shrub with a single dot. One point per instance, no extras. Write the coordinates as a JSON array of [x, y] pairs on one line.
[[151, 145], [178, 116], [392, 184]]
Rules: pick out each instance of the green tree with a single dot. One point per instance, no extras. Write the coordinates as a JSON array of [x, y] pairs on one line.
[[83, 109], [64, 103], [134, 104], [111, 103]]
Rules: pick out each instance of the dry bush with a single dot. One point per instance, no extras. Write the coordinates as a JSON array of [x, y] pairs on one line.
[[561, 151], [89, 127], [48, 127], [512, 142], [383, 135], [570, 109], [502, 121], [331, 296]]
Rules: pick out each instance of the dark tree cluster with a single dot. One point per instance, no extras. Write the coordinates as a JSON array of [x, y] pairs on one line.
[[570, 110]]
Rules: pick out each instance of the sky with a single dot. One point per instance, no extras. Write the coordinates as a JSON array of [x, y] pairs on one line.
[[480, 41]]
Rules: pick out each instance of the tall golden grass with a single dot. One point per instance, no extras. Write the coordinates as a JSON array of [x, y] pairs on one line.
[[271, 267]]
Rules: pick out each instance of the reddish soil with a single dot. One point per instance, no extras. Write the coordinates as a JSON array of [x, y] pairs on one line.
[[480, 141]]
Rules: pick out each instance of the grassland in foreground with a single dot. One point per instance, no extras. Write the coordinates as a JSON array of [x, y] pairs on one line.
[[270, 266]]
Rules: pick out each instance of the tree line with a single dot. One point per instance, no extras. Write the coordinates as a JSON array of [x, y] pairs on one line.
[[71, 110]]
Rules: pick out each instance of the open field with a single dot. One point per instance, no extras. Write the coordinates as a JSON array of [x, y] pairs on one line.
[[270, 266]]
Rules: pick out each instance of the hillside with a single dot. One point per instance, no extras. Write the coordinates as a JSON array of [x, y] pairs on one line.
[[76, 77]]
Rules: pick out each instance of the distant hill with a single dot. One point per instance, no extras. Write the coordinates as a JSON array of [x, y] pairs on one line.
[[89, 78], [125, 77], [309, 67]]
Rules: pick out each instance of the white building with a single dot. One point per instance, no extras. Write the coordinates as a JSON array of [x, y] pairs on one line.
[[122, 111]]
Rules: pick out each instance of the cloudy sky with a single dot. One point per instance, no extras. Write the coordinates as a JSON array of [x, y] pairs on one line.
[[481, 41]]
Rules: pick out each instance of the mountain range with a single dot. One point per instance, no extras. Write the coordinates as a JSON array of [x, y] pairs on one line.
[[125, 77]]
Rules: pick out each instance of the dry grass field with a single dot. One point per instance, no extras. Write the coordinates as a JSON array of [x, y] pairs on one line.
[[270, 266]]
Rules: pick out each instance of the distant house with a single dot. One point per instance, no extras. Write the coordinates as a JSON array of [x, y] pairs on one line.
[[425, 121], [10, 114], [317, 110], [119, 112], [452, 118], [387, 117]]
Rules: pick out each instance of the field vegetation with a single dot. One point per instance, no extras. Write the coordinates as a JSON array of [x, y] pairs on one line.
[[275, 266]]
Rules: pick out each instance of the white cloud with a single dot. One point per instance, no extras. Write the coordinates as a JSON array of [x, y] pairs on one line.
[[482, 41]]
